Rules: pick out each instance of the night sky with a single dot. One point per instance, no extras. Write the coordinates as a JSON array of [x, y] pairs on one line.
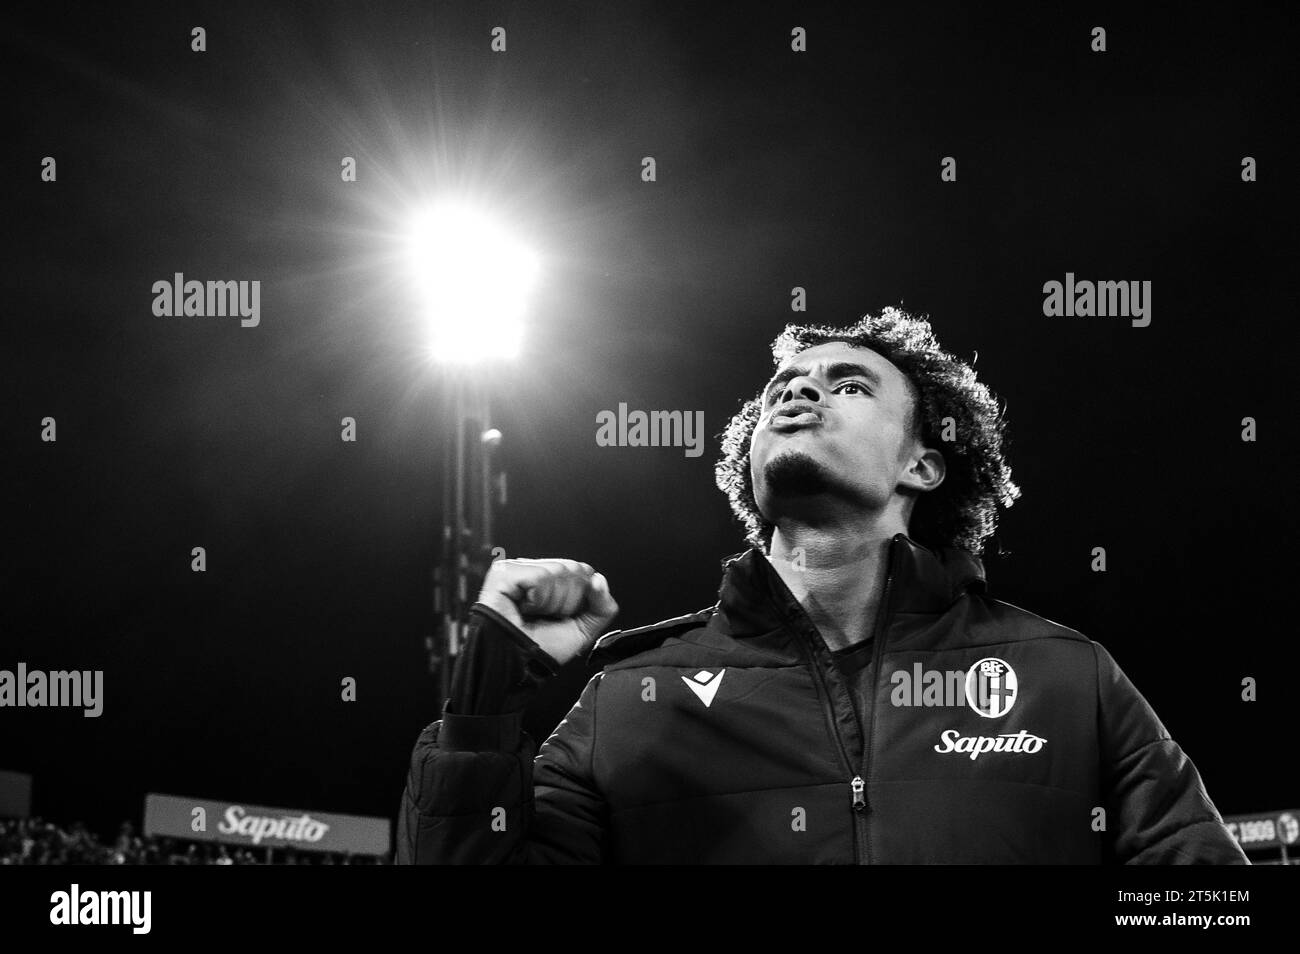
[[775, 169]]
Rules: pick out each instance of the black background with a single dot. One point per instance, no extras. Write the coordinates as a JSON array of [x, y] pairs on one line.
[[775, 169]]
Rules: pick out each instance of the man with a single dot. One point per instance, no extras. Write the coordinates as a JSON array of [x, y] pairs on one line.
[[854, 696]]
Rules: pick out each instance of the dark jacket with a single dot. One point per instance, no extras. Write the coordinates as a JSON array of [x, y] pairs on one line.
[[1046, 754]]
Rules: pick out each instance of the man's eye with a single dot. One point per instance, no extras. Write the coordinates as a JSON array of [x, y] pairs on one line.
[[853, 384]]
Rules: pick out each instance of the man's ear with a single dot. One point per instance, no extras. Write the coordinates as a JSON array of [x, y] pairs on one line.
[[926, 472]]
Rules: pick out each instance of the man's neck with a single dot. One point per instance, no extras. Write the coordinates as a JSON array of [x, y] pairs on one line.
[[837, 575]]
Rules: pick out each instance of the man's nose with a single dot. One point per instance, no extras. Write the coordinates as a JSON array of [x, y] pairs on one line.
[[801, 389]]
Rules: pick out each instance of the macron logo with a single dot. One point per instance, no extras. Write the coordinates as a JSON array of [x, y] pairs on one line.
[[705, 685]]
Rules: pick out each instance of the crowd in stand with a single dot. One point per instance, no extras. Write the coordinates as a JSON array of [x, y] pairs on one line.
[[32, 841]]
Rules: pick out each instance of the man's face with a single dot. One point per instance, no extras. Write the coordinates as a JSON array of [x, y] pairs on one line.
[[835, 426]]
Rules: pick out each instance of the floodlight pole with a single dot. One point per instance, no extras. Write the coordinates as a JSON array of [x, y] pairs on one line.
[[468, 501]]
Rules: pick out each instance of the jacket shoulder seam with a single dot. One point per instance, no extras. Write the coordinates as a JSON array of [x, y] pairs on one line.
[[1063, 631], [625, 642]]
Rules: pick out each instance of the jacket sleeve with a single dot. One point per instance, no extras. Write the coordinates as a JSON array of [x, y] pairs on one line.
[[1157, 809], [475, 795]]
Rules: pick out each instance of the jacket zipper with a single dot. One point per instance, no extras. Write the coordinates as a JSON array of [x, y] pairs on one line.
[[857, 787], [857, 784], [861, 846], [860, 802], [828, 711]]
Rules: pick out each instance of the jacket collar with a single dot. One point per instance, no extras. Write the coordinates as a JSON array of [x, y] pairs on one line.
[[753, 599]]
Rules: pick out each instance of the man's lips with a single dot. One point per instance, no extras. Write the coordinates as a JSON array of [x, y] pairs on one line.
[[793, 422]]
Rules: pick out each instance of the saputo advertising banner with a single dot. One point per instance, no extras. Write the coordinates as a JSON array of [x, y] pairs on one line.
[[237, 823]]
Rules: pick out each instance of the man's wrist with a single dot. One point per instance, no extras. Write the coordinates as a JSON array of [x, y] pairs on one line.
[[499, 668], [518, 637]]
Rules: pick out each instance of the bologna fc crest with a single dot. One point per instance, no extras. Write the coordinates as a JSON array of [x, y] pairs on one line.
[[991, 688]]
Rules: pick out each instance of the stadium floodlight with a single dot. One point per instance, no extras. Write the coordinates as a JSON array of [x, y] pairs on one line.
[[473, 279]]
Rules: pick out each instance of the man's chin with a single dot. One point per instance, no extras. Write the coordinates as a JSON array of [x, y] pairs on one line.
[[796, 474]]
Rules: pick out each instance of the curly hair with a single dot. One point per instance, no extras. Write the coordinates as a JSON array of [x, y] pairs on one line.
[[962, 511]]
